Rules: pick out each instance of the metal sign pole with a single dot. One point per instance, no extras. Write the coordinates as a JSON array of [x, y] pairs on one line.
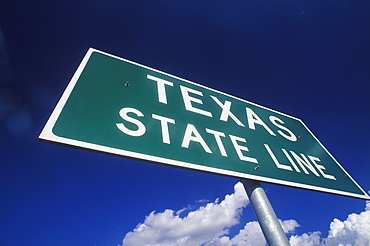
[[265, 214]]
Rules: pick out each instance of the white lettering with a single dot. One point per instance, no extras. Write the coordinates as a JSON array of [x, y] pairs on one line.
[[188, 101], [192, 134], [161, 88], [277, 122], [304, 162], [254, 119], [291, 160], [164, 127], [239, 148], [140, 126], [279, 165], [218, 136], [226, 111], [321, 168]]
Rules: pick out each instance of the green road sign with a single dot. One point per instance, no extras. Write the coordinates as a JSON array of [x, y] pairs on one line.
[[119, 107]]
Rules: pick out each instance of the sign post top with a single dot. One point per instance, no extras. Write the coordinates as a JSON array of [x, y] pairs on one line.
[[119, 107]]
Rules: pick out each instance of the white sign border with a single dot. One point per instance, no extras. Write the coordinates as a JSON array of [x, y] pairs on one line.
[[48, 136]]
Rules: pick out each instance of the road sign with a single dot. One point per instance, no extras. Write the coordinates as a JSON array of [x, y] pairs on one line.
[[119, 107]]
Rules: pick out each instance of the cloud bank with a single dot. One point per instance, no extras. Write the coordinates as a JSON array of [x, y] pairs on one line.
[[354, 231], [209, 225], [196, 228]]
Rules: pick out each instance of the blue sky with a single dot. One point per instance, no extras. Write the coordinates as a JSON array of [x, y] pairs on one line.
[[308, 59]]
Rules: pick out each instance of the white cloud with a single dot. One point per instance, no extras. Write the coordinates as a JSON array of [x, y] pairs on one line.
[[209, 226], [310, 239], [354, 231], [251, 234], [289, 225], [198, 227]]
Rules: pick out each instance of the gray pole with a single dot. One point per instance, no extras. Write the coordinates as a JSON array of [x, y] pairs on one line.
[[265, 214]]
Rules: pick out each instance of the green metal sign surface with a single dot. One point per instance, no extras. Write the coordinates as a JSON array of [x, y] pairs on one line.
[[122, 108]]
